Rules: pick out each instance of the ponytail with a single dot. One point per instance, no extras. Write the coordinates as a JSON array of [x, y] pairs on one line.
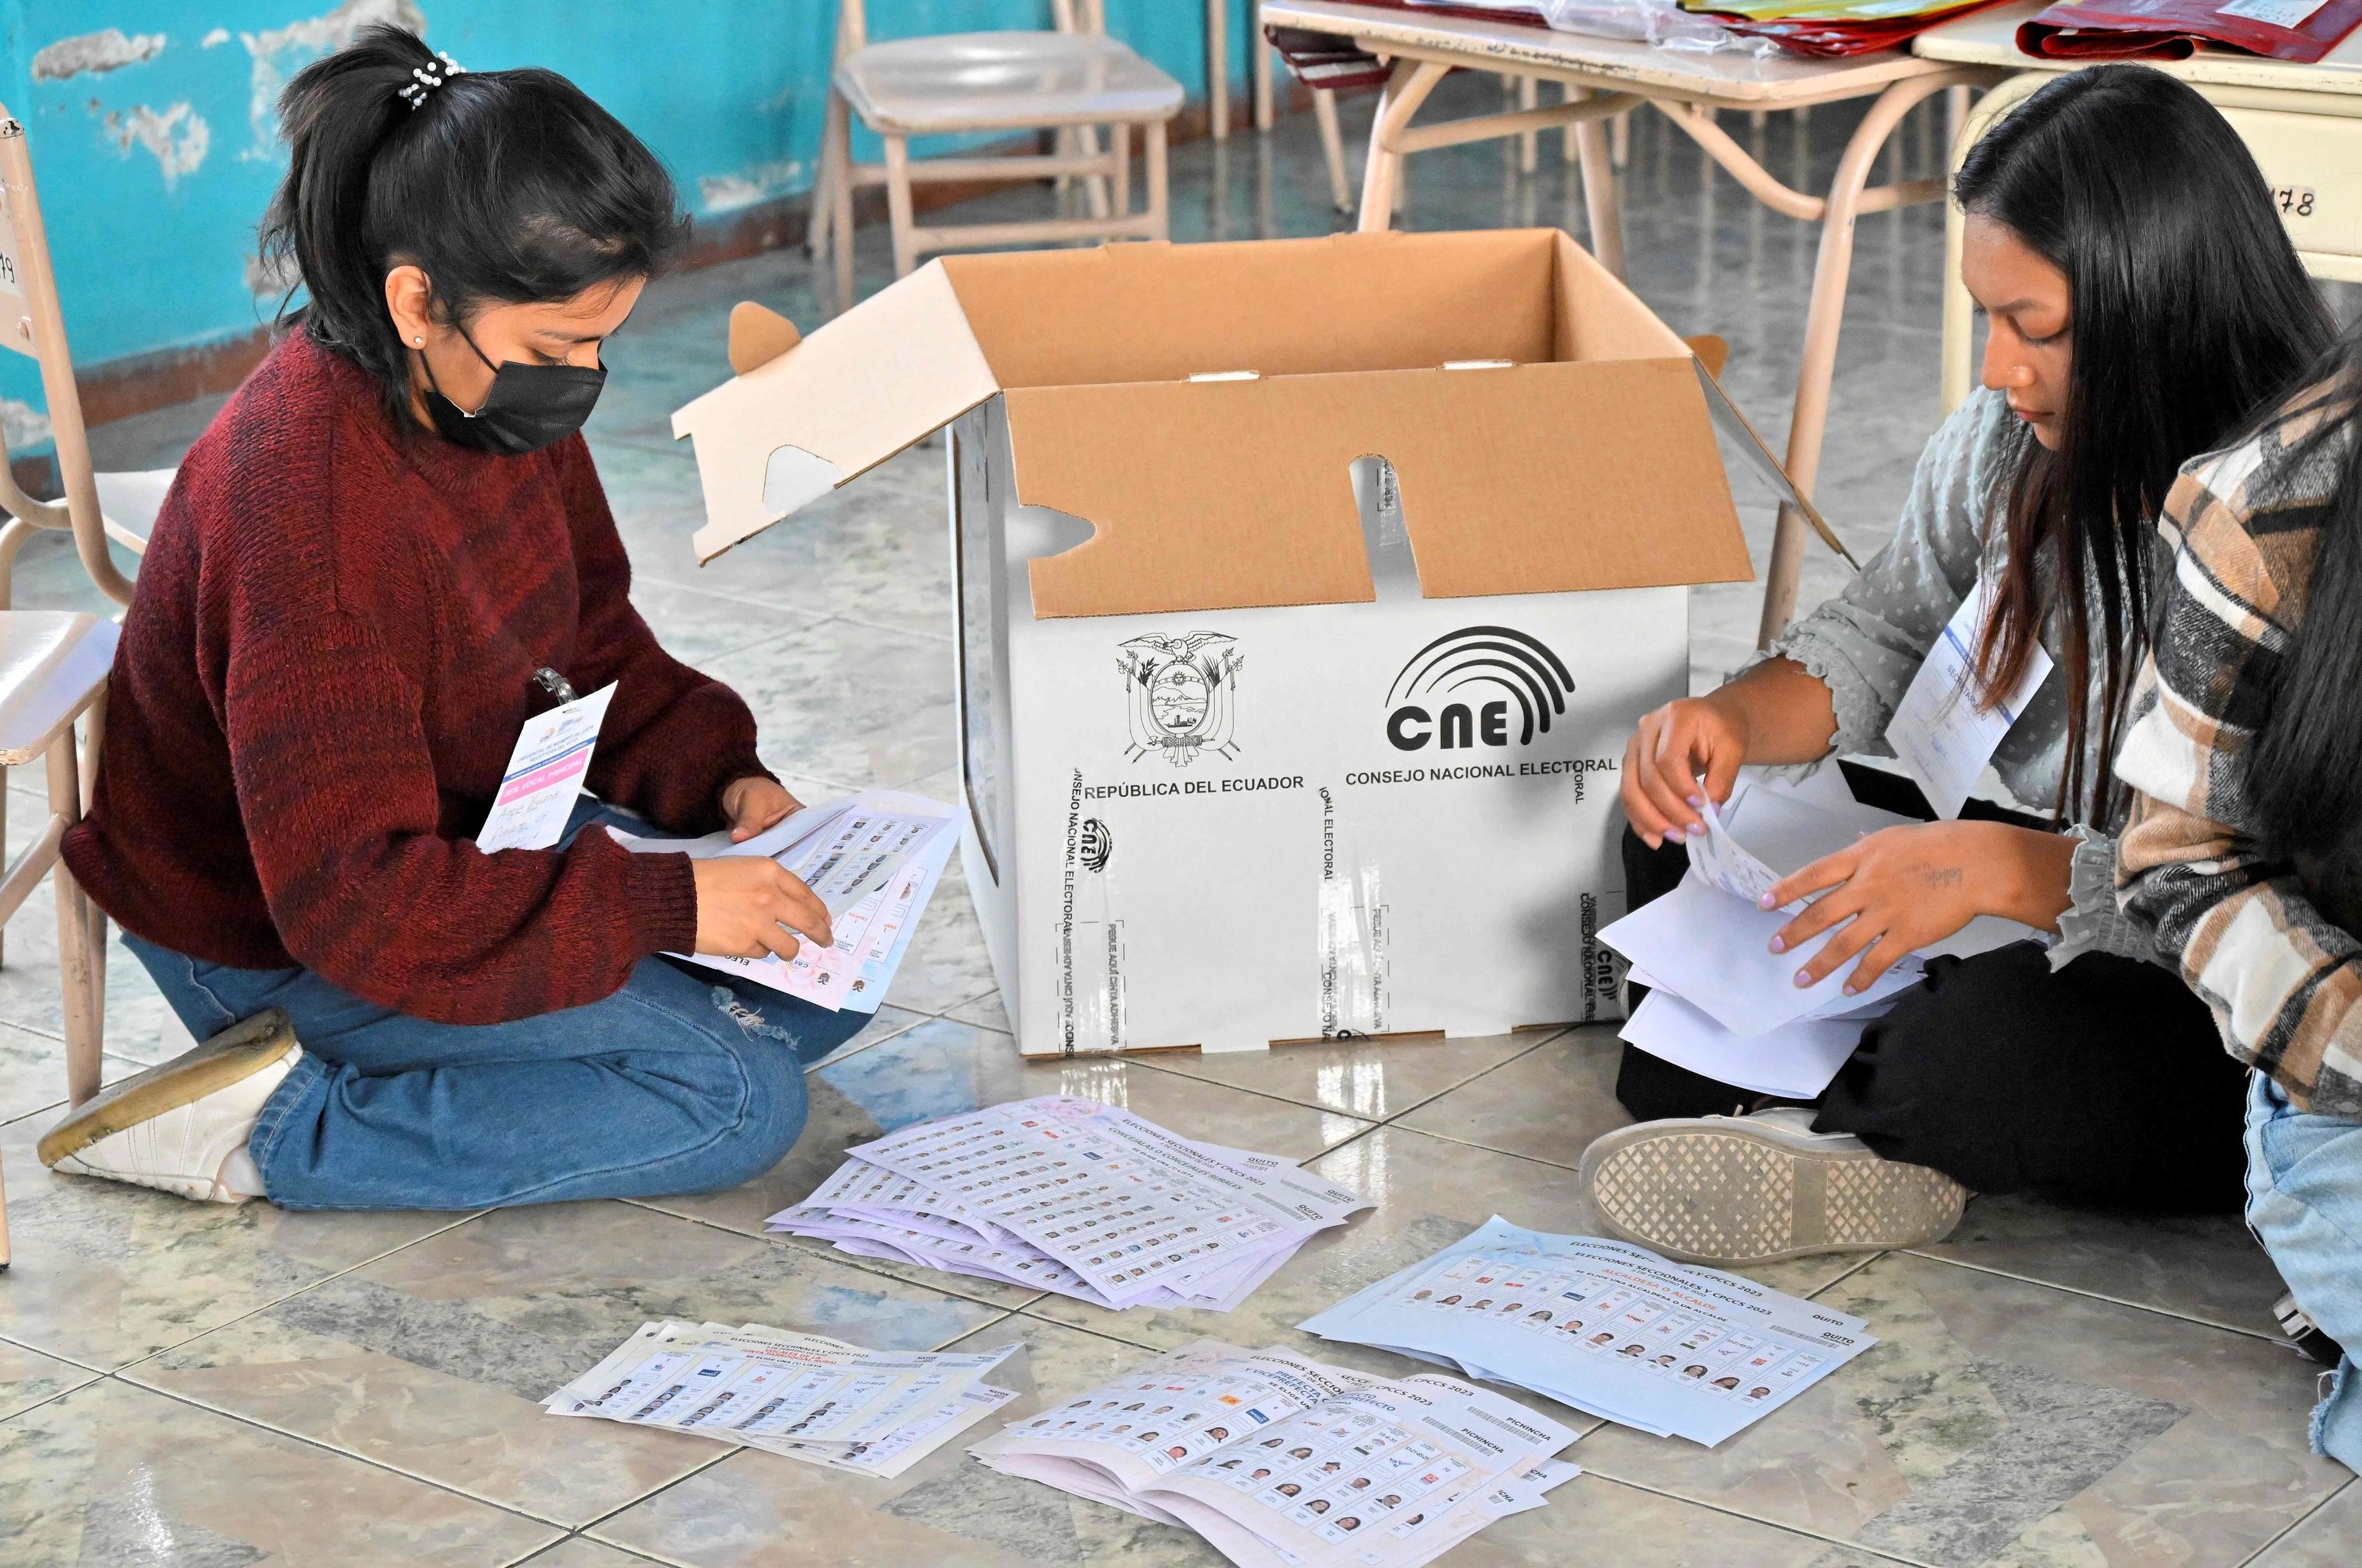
[[504, 187]]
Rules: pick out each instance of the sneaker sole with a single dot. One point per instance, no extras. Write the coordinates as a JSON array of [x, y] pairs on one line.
[[238, 1053], [1724, 1192]]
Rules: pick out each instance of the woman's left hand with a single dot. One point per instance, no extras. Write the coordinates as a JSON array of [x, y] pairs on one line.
[[751, 805], [1907, 887]]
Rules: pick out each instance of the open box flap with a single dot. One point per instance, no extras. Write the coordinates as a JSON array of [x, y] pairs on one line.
[[843, 400], [1533, 479]]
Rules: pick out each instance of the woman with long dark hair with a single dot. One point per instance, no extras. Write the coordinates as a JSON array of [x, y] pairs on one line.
[[388, 552], [2143, 300], [2244, 853]]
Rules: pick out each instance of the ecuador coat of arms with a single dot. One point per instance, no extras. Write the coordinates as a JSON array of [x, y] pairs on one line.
[[1184, 694]]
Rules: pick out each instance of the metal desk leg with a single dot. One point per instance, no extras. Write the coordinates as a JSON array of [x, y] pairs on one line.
[[1599, 202], [1266, 112], [1831, 272], [1406, 89], [1333, 149]]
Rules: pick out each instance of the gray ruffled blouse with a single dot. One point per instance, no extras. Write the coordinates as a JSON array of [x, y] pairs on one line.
[[1868, 641]]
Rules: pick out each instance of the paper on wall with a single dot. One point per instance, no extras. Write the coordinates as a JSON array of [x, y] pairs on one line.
[[545, 774], [1942, 735]]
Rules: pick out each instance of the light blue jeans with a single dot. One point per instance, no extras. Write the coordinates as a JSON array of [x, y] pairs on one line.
[[682, 1081], [2304, 1204]]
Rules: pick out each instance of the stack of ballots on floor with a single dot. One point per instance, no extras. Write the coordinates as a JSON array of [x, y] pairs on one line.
[[1605, 1327], [1283, 1462], [873, 859], [1076, 1197], [1720, 1002], [803, 1396]]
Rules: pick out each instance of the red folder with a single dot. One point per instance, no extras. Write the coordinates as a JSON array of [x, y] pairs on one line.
[[2299, 30]]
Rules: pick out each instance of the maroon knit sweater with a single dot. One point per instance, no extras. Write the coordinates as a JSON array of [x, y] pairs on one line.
[[320, 680]]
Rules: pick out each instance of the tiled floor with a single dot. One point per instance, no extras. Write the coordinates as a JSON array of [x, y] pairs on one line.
[[190, 1384]]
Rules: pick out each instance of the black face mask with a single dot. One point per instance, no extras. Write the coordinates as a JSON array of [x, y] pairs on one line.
[[529, 405]]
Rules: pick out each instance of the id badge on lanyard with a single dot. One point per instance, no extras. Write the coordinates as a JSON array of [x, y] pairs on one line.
[[545, 770], [1941, 732]]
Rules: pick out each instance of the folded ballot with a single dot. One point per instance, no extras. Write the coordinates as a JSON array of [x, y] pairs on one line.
[[1076, 1197], [1283, 1462], [803, 1396], [1721, 1002], [1605, 1327], [873, 859]]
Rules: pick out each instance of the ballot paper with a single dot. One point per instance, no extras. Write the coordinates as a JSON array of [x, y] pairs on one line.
[[1076, 1197], [804, 1395], [1709, 943], [1604, 1327], [1941, 732], [873, 859], [1279, 1462], [1794, 1061], [544, 776]]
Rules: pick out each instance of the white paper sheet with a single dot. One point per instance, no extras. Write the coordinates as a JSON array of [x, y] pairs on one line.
[[1604, 1327], [1939, 732], [544, 776], [1794, 1061]]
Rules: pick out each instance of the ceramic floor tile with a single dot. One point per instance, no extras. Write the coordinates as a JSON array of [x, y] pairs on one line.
[[843, 700], [1617, 1523], [2205, 1267], [103, 1273], [1429, 1192], [986, 1013], [27, 1377], [2330, 1538], [29, 995], [33, 1071], [581, 1551], [697, 626], [2002, 1422], [116, 1475], [433, 1361], [942, 1067], [1547, 1104], [1376, 1078], [946, 965], [758, 1510]]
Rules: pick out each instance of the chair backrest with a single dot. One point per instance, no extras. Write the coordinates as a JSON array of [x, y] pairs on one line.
[[32, 324], [1067, 16]]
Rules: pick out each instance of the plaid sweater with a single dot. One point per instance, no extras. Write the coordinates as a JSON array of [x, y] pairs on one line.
[[2253, 938]]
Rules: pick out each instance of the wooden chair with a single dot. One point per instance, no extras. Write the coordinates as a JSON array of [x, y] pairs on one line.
[[53, 664], [1072, 81]]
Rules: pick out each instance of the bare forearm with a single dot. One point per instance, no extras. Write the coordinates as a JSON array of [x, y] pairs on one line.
[[1784, 711], [2031, 874]]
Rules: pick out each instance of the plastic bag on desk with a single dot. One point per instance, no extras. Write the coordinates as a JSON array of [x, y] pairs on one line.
[[1658, 22]]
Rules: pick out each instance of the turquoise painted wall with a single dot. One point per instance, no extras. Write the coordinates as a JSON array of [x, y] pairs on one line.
[[155, 146]]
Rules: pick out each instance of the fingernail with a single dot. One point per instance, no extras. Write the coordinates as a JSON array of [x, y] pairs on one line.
[[1851, 988], [1778, 946], [1803, 979], [1672, 835], [1697, 803], [1765, 903]]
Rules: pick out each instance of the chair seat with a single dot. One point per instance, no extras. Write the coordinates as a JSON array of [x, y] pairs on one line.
[[130, 503], [52, 662], [970, 81]]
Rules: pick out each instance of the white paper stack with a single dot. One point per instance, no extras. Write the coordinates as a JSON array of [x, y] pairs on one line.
[[1604, 1327], [1720, 1002], [1077, 1198], [1283, 1462], [874, 860], [809, 1398]]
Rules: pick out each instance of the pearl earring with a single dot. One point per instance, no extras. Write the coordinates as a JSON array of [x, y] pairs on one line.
[[420, 341]]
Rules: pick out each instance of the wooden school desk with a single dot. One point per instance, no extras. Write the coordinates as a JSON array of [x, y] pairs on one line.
[[1613, 75], [2302, 122]]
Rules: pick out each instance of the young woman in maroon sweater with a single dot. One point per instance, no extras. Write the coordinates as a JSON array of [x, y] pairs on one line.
[[384, 557]]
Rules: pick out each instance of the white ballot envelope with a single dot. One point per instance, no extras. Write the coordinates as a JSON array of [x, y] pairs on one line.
[[545, 774], [1940, 732]]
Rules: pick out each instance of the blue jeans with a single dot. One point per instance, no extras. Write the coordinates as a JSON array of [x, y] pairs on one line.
[[682, 1081], [2304, 1204]]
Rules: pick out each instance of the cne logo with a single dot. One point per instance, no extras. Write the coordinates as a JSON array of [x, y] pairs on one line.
[[1184, 694], [1095, 844], [1532, 682]]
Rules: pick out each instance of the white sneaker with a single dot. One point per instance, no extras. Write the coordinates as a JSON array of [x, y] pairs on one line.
[[182, 1127], [1725, 1189]]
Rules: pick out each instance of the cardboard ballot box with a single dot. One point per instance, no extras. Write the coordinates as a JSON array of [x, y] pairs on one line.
[[1309, 592]]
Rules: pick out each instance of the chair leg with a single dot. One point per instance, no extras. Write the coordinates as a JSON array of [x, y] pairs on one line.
[[1266, 112], [1096, 197], [1218, 69], [897, 204], [1530, 144], [1619, 138], [823, 196], [1569, 93], [1159, 219], [1120, 145], [840, 191], [74, 963], [1332, 147]]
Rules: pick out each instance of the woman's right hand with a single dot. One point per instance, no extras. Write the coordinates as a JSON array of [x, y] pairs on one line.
[[1685, 741], [749, 906]]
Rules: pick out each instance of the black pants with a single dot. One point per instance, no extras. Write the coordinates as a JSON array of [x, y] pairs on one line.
[[2104, 1083]]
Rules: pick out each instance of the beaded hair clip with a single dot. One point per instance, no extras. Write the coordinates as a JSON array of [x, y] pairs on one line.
[[425, 78]]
